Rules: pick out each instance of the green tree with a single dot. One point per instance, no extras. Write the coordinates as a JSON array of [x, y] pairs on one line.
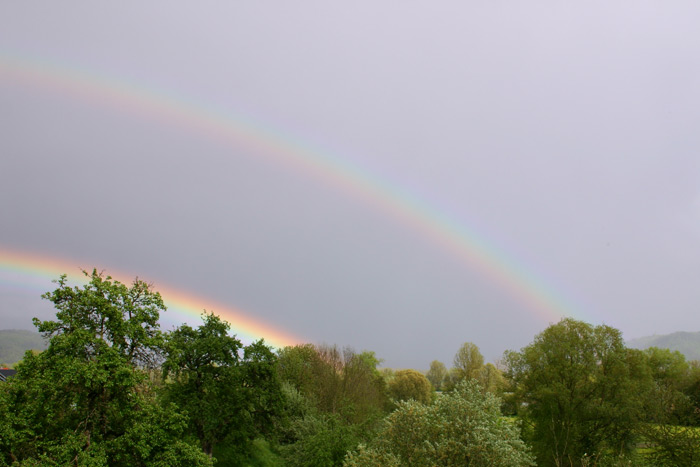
[[468, 361], [580, 391], [323, 439], [437, 374], [491, 379], [86, 400], [463, 427], [343, 382], [670, 410], [334, 400], [228, 396], [410, 385]]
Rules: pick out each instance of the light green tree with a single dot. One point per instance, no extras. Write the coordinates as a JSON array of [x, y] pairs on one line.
[[468, 361], [491, 379], [337, 381], [410, 385], [335, 399], [437, 374], [463, 427]]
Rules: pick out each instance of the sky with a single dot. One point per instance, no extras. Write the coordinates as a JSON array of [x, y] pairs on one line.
[[400, 177]]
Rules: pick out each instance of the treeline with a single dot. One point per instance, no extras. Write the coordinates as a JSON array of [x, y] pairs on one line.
[[112, 389]]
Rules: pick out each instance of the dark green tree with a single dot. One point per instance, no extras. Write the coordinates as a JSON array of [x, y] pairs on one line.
[[230, 392], [86, 400], [670, 411], [580, 390]]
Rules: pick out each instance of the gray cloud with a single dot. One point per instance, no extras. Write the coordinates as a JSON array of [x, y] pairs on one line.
[[564, 134]]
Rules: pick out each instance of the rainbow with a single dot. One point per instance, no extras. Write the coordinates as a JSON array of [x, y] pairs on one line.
[[34, 272], [456, 238]]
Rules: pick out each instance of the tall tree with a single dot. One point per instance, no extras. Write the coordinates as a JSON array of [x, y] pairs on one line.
[[579, 389], [491, 379], [670, 410], [86, 399], [337, 381], [335, 399], [468, 361], [228, 396], [437, 374]]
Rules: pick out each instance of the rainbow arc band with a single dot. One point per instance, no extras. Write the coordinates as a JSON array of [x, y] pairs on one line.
[[456, 238], [35, 273]]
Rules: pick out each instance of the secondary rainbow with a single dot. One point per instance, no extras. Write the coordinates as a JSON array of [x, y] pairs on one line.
[[455, 237], [35, 272]]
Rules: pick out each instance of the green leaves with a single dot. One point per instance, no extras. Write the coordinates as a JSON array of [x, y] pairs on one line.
[[463, 427], [579, 388], [410, 385], [227, 396], [85, 400]]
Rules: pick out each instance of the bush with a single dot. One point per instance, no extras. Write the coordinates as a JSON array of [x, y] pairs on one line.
[[464, 427]]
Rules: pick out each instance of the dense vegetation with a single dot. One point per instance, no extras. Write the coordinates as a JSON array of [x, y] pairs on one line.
[[112, 389]]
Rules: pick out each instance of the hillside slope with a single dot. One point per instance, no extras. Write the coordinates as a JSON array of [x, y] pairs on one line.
[[14, 342], [687, 343]]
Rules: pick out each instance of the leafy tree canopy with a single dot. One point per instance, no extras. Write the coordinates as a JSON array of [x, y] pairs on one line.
[[463, 427], [410, 385], [230, 392], [437, 374], [581, 391], [85, 400]]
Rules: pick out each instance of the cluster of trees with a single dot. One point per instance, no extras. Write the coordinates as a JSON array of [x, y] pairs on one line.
[[468, 364], [113, 389], [587, 399]]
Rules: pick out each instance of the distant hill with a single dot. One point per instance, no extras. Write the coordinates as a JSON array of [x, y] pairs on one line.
[[687, 343], [14, 342]]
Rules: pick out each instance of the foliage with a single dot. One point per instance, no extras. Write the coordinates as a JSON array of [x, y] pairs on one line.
[[257, 453], [672, 445], [323, 439], [334, 401], [370, 457], [227, 396], [299, 366], [85, 400], [670, 410], [468, 361], [437, 374], [344, 383], [464, 427], [410, 385], [491, 379], [581, 391]]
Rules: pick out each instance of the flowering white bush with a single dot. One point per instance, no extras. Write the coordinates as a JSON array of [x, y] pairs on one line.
[[464, 427]]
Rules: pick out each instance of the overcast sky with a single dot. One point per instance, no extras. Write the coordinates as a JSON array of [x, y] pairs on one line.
[[563, 133]]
